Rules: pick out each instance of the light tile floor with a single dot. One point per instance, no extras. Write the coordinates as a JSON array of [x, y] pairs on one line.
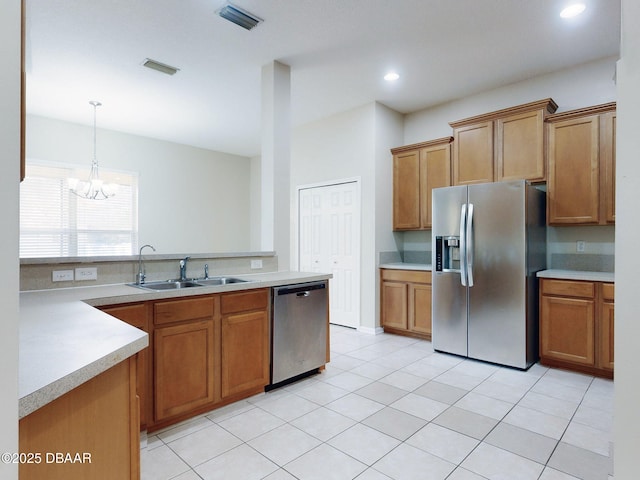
[[389, 407]]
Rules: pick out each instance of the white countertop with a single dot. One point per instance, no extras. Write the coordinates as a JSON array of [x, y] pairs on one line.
[[65, 341], [407, 266], [577, 275]]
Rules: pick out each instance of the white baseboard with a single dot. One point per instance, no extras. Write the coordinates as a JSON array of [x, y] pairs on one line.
[[370, 330]]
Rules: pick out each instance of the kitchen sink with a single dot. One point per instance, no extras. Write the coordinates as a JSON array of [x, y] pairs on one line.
[[176, 284], [219, 281], [166, 285]]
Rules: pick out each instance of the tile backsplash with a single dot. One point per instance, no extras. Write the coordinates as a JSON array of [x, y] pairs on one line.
[[36, 274], [582, 262]]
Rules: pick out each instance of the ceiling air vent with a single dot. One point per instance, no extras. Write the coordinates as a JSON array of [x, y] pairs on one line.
[[160, 67], [239, 17]]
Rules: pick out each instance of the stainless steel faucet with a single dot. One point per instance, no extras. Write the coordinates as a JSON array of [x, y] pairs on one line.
[[142, 274], [206, 271], [183, 269]]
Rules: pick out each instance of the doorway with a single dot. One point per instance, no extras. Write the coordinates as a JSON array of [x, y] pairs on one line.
[[329, 242]]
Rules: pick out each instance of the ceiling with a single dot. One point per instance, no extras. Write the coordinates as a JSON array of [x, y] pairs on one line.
[[338, 51]]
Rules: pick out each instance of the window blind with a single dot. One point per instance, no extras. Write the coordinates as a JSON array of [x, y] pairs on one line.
[[56, 223]]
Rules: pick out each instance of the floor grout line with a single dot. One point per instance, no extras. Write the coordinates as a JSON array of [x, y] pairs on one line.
[[402, 344]]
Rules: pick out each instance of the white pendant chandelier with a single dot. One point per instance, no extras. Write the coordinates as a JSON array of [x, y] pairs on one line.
[[93, 188]]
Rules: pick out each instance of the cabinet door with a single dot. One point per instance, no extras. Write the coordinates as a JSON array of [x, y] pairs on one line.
[[573, 190], [606, 328], [394, 305], [567, 329], [473, 154], [98, 417], [520, 147], [184, 368], [608, 165], [406, 191], [420, 308], [435, 172], [606, 336], [138, 316], [245, 352]]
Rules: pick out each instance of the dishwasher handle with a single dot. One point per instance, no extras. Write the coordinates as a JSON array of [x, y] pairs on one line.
[[300, 290]]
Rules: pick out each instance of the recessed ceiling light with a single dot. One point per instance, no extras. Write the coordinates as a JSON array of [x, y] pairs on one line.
[[573, 10], [391, 77]]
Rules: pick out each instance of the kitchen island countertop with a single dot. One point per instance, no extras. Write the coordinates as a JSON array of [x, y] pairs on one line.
[[65, 341]]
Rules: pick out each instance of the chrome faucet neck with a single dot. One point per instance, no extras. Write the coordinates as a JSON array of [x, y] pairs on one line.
[[183, 269], [141, 276]]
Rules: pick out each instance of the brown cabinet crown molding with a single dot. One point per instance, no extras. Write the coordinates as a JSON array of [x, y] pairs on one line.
[[417, 146], [548, 104], [581, 112]]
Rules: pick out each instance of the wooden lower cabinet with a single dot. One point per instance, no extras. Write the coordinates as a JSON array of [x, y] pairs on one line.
[[406, 302], [184, 374], [96, 423], [137, 315], [606, 330], [245, 342], [204, 351], [576, 325]]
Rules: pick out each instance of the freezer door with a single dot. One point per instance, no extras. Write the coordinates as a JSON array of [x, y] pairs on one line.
[[497, 301], [449, 304]]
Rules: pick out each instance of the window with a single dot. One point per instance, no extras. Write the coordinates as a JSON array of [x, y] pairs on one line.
[[56, 223]]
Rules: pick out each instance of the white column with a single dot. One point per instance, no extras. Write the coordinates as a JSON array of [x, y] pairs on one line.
[[276, 152], [627, 328], [9, 199]]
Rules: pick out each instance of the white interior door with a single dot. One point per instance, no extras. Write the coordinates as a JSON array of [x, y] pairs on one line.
[[329, 227]]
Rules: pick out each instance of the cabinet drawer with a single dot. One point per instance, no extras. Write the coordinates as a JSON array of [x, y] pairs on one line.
[[607, 291], [244, 301], [567, 288], [181, 310], [412, 276]]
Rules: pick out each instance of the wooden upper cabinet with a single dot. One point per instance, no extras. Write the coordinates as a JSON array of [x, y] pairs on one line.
[[520, 152], [473, 153], [506, 144], [435, 172], [406, 190], [417, 170], [608, 165], [581, 157]]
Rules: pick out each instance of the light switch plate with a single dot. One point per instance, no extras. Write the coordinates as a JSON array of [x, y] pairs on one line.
[[62, 276], [86, 273]]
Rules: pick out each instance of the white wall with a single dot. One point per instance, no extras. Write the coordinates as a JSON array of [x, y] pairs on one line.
[[9, 175], [191, 200], [351, 144], [582, 86], [255, 202], [627, 334]]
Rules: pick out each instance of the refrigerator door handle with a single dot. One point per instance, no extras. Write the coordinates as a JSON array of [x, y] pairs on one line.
[[469, 244], [463, 245]]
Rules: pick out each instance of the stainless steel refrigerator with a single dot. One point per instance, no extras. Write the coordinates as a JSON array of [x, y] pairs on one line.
[[489, 240]]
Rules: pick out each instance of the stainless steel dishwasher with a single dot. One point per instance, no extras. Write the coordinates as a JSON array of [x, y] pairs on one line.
[[298, 330]]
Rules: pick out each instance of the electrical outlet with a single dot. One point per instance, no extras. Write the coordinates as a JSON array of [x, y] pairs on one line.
[[62, 276], [86, 273], [580, 244], [255, 264]]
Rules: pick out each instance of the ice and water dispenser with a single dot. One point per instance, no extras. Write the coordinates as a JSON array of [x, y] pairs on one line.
[[447, 254]]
